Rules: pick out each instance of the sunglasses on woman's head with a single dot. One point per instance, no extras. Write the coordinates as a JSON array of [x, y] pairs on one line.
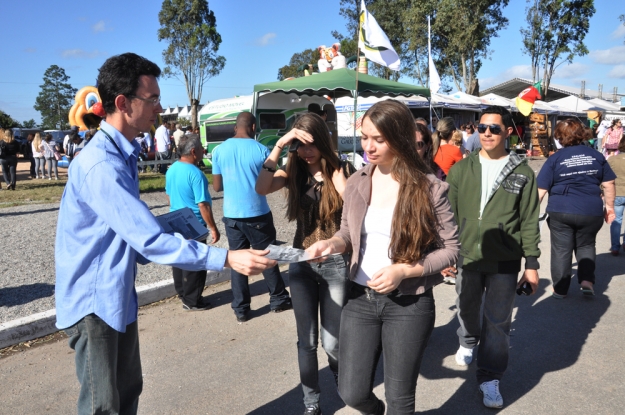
[[420, 145], [494, 128]]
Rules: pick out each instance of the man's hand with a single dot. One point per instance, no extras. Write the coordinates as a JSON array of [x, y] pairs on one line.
[[214, 235], [449, 272], [530, 276], [387, 279], [249, 261]]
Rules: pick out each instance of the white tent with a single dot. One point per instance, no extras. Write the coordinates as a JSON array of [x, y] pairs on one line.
[[492, 99], [574, 104], [607, 105]]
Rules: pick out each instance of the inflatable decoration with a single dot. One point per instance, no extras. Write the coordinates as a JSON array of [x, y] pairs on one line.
[[330, 58], [87, 111]]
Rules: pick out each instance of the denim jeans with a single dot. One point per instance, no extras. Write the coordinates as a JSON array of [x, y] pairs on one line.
[[572, 233], [256, 233], [317, 289], [396, 326], [53, 163], [40, 164], [108, 366], [9, 165], [493, 334], [616, 226]]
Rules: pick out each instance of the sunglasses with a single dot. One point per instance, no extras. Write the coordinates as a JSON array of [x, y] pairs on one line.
[[494, 128], [420, 145]]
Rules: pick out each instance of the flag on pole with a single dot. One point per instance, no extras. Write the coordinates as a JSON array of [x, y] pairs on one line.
[[527, 97], [435, 80], [374, 43]]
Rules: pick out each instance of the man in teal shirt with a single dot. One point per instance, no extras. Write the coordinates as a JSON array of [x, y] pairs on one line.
[[187, 186]]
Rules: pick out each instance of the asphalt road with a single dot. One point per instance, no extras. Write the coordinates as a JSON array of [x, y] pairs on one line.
[[566, 357]]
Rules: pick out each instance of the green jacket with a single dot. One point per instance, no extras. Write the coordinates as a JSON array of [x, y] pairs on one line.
[[508, 228]]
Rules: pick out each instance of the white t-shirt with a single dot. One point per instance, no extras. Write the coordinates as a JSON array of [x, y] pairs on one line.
[[162, 139], [177, 136], [375, 239], [490, 171]]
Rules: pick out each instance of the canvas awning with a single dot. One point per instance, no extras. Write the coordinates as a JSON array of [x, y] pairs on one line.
[[342, 82]]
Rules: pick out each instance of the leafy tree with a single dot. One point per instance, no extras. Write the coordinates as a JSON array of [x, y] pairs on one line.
[[555, 34], [55, 98], [189, 28], [306, 57], [183, 122], [622, 19], [6, 121], [29, 123]]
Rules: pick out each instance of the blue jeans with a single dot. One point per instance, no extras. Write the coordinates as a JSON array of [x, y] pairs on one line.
[[40, 164], [9, 166], [397, 326], [616, 226], [317, 289], [493, 334], [256, 233], [108, 366]]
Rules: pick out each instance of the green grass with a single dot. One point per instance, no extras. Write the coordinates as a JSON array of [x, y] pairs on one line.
[[50, 191]]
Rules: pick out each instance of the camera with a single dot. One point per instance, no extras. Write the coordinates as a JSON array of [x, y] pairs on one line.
[[525, 289]]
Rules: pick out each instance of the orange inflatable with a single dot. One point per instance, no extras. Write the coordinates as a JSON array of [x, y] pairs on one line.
[[85, 100]]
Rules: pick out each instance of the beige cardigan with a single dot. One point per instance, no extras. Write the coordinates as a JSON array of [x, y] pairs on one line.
[[356, 200]]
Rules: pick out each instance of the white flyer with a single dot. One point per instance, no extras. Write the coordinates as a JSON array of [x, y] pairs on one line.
[[288, 254], [184, 222]]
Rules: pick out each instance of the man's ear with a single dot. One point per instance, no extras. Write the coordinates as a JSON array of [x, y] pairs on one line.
[[253, 128], [122, 103]]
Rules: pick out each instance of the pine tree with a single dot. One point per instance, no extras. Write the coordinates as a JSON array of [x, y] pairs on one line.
[[55, 99]]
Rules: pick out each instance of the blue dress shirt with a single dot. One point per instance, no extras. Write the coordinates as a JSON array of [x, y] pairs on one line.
[[104, 229]]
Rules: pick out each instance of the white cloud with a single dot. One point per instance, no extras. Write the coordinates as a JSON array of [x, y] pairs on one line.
[[517, 71], [265, 39], [79, 53], [99, 27], [619, 32], [617, 72], [572, 70], [612, 56]]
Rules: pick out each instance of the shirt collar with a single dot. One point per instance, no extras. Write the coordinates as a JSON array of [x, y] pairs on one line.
[[127, 148]]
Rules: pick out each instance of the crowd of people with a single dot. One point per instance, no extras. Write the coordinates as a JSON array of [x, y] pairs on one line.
[[429, 207]]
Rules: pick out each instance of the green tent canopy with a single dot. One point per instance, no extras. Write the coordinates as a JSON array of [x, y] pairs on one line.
[[342, 82]]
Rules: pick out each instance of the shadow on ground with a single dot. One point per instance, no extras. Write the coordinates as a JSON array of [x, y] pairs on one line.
[[24, 294]]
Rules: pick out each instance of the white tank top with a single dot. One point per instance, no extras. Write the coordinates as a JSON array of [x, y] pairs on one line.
[[375, 238]]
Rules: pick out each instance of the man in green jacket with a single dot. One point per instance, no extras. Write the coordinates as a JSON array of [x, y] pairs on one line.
[[498, 227]]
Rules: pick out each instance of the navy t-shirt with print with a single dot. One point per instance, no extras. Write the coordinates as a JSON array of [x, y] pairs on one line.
[[573, 176]]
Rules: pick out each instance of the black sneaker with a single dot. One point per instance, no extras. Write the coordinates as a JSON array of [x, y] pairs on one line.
[[282, 307], [312, 410], [200, 307], [242, 318]]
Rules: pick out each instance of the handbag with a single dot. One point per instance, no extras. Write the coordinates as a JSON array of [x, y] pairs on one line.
[[57, 155]]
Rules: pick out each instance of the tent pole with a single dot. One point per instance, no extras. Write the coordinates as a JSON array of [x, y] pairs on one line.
[[355, 92]]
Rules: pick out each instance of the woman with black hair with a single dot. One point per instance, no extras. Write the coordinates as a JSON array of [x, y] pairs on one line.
[[315, 181]]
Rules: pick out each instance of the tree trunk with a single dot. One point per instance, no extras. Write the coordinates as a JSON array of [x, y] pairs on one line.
[[194, 120]]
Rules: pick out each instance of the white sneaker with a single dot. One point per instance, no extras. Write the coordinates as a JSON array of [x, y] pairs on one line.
[[492, 397], [464, 356]]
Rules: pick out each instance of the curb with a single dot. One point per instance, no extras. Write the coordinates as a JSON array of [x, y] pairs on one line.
[[41, 324]]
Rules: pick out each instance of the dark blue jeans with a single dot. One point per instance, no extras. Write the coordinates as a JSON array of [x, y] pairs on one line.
[[617, 224], [492, 331], [108, 366], [317, 290], [256, 233], [572, 233], [190, 284], [397, 326], [9, 166]]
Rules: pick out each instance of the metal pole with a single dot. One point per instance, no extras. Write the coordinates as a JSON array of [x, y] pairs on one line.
[[429, 53], [355, 92]]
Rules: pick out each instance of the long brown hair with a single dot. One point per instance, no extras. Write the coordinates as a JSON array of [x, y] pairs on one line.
[[298, 174], [414, 226]]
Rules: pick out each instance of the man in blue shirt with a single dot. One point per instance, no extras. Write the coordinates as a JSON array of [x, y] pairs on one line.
[[104, 230], [248, 220], [187, 186]]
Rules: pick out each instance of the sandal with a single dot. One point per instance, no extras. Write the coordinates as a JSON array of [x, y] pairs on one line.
[[588, 291], [558, 296]]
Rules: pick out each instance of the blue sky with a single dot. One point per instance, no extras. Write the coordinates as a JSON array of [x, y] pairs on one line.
[[258, 38]]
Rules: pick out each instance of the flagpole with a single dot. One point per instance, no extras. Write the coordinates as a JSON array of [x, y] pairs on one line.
[[356, 107], [429, 57]]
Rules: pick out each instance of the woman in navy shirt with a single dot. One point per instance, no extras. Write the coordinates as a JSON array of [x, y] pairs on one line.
[[573, 177]]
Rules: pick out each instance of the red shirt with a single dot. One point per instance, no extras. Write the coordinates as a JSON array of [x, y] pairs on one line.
[[446, 156]]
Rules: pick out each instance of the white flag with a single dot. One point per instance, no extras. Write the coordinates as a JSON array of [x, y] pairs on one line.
[[435, 80], [374, 43]]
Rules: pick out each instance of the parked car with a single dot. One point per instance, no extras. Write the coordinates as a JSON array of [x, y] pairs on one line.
[[21, 136]]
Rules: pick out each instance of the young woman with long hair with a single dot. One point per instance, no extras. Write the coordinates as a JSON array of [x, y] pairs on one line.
[[8, 158], [612, 138], [398, 224], [425, 148], [40, 161], [315, 180], [445, 153]]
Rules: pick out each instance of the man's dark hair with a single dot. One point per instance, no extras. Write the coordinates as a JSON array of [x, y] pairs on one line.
[[120, 76], [506, 117]]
